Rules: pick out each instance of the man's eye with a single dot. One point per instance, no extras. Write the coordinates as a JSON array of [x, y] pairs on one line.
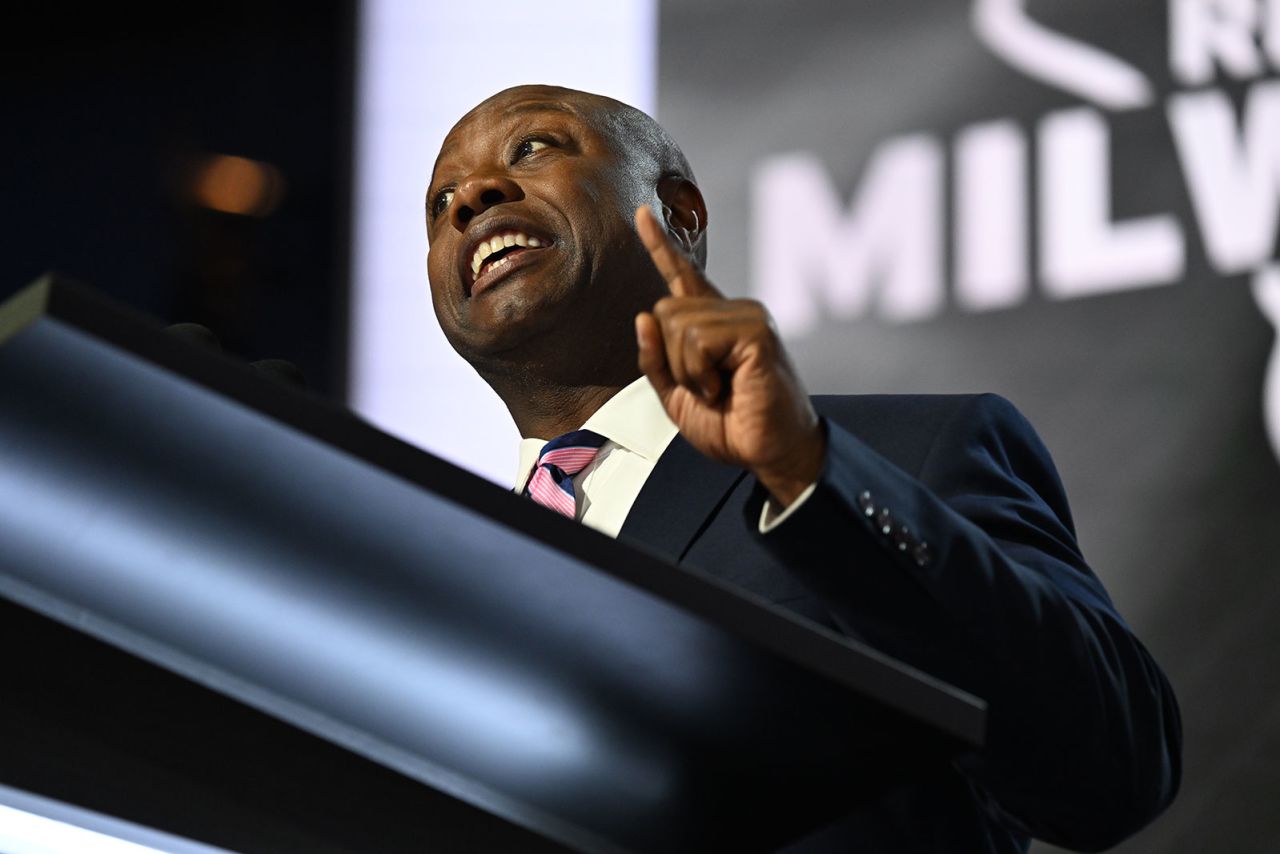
[[441, 202], [527, 147]]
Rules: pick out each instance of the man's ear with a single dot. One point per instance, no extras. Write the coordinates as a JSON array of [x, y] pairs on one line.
[[684, 212]]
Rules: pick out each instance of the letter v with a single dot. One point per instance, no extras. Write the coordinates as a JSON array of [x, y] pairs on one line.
[[1266, 292]]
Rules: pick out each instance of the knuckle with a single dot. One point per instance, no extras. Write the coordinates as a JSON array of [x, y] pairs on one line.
[[755, 310], [761, 321]]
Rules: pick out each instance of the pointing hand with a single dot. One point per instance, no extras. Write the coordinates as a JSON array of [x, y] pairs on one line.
[[723, 376]]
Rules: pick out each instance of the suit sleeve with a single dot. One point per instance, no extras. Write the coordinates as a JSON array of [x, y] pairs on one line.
[[969, 570]]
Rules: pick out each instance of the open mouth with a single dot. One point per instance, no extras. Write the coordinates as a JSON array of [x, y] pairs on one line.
[[497, 252]]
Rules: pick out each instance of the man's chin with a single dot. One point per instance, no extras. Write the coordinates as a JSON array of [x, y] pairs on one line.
[[509, 314], [510, 338]]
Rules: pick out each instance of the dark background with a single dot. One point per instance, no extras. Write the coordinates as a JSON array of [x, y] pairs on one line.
[[109, 113]]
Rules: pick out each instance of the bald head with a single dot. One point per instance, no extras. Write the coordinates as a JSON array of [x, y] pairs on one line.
[[652, 155], [633, 131]]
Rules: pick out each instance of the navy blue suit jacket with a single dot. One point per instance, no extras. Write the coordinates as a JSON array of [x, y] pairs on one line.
[[979, 581]]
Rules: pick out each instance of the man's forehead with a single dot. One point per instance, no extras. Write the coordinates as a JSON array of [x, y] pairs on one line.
[[511, 104]]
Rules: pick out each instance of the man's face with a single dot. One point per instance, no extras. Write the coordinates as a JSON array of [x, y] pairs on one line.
[[529, 218]]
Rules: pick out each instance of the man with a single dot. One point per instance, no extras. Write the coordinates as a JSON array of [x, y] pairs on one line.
[[567, 241]]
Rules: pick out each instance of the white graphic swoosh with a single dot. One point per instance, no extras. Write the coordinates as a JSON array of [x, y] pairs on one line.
[[1072, 66], [1266, 292]]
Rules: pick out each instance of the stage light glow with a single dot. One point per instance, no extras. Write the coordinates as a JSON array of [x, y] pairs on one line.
[[30, 824], [237, 185]]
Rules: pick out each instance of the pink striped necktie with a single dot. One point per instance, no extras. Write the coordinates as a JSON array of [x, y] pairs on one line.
[[564, 456]]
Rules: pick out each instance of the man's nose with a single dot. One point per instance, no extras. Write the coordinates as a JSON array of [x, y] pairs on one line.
[[478, 193]]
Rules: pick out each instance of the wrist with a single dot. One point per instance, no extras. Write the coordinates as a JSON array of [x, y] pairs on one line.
[[786, 479]]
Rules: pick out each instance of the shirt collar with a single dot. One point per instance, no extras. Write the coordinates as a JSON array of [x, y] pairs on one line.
[[634, 419]]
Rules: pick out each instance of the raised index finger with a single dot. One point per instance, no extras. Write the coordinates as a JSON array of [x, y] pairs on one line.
[[682, 276]]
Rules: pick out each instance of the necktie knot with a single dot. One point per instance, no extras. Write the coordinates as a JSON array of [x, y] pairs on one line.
[[551, 484]]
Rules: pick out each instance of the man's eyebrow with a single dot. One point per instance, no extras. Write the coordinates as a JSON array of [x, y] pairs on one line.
[[519, 109]]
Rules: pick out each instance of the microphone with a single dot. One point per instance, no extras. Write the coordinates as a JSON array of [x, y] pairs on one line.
[[194, 333], [281, 371], [277, 370]]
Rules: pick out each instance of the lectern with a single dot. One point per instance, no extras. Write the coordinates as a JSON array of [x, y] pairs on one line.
[[236, 612]]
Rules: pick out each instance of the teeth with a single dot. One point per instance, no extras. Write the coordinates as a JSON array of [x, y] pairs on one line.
[[501, 241]]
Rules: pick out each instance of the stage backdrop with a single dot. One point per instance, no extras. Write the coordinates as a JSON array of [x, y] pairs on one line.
[[1073, 204]]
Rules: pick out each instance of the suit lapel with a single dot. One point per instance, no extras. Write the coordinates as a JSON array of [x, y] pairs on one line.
[[675, 503]]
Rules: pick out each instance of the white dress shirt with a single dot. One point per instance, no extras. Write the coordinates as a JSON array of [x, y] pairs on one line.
[[638, 430]]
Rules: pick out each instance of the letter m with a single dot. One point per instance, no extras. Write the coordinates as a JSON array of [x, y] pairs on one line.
[[810, 254]]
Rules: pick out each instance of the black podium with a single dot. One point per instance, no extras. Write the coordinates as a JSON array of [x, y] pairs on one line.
[[238, 613]]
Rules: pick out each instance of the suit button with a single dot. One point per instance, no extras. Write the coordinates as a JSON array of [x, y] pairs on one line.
[[885, 520], [922, 555], [865, 505], [903, 538]]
